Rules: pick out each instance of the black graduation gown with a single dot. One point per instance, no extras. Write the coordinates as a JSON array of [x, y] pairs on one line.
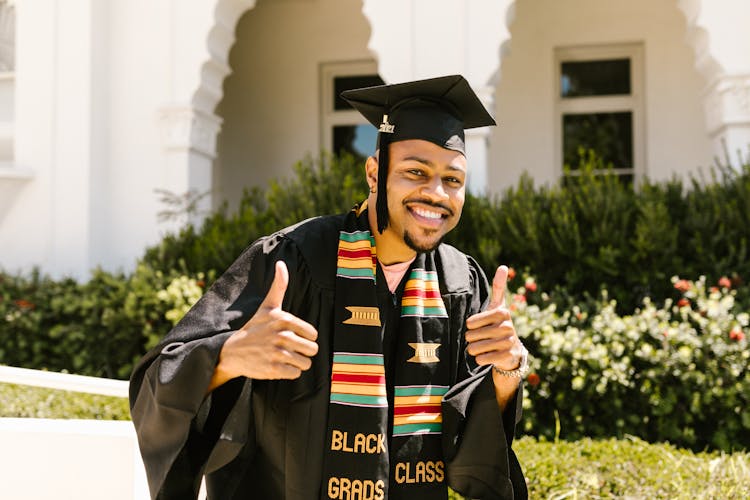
[[257, 439]]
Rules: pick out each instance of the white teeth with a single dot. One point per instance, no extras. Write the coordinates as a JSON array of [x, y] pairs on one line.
[[427, 214]]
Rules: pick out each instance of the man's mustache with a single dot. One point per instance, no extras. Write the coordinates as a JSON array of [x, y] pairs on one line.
[[430, 203]]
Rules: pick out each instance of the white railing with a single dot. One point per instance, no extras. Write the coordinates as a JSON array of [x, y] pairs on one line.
[[69, 459], [64, 381], [79, 459]]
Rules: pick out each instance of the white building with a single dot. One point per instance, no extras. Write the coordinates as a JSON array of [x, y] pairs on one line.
[[103, 102]]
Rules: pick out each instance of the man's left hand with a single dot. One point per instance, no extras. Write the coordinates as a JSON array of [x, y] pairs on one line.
[[491, 338]]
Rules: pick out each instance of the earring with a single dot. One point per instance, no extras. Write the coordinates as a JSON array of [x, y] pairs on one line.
[[372, 190]]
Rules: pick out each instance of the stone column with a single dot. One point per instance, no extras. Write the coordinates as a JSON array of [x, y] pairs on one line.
[[717, 30], [202, 36]]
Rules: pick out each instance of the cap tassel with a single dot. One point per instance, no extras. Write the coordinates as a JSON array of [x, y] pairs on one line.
[[382, 199]]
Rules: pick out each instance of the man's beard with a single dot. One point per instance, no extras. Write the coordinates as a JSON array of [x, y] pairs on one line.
[[423, 248]]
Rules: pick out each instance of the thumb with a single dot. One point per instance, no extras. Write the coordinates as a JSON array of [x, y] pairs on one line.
[[499, 283], [275, 295]]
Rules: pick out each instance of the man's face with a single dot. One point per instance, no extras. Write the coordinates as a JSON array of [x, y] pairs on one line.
[[426, 190]]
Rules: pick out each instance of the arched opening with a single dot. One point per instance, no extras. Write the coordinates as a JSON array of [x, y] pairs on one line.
[[271, 104]]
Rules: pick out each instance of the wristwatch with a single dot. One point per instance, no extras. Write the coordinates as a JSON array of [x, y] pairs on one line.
[[519, 372]]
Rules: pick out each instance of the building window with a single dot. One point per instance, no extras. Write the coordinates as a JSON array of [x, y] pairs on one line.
[[343, 129], [600, 108]]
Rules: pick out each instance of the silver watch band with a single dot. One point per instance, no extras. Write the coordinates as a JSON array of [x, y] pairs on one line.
[[521, 371]]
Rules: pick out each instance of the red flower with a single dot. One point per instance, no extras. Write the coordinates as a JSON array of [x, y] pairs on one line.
[[200, 283], [519, 298], [714, 289], [530, 285], [737, 334], [533, 379], [683, 302], [725, 282], [24, 304], [511, 273], [682, 285]]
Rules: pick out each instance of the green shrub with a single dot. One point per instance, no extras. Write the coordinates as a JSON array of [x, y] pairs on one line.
[[675, 373], [98, 328], [326, 185], [596, 232], [592, 233], [604, 369]]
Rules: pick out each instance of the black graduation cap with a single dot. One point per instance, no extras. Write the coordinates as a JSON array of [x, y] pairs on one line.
[[436, 110]]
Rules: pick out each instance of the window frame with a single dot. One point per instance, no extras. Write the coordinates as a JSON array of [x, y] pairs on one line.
[[633, 102], [330, 117]]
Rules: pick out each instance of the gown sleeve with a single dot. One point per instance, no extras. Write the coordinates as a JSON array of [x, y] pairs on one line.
[[480, 461], [182, 433]]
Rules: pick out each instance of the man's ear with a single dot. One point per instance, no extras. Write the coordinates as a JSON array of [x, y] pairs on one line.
[[371, 172]]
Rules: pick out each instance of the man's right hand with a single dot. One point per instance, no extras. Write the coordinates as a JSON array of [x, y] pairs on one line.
[[274, 344]]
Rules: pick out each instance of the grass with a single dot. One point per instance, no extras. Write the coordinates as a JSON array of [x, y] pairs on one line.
[[35, 402], [629, 468]]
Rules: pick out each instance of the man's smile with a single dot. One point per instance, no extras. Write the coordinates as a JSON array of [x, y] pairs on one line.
[[428, 209], [428, 214]]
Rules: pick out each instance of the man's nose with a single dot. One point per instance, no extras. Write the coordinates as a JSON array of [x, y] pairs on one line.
[[435, 190]]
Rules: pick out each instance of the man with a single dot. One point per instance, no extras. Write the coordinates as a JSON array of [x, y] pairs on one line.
[[354, 356]]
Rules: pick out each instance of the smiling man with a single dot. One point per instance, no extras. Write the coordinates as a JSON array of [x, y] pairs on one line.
[[354, 356], [425, 187]]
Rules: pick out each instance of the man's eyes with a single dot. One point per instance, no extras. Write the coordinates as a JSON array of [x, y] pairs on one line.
[[417, 172]]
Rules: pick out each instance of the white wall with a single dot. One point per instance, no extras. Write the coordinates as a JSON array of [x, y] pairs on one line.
[[136, 74], [271, 100], [45, 218], [41, 459], [675, 130], [91, 80]]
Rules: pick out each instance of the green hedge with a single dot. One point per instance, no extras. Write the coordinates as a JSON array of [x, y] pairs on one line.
[[98, 328], [36, 402], [595, 234], [630, 468], [675, 371], [322, 185]]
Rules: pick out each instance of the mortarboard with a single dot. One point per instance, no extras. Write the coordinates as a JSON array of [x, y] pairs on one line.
[[435, 110]]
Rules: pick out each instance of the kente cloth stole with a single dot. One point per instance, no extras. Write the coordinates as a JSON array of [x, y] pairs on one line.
[[385, 443]]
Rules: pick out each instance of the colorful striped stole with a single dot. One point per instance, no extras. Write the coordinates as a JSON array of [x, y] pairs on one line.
[[356, 256], [422, 295], [381, 423], [358, 380], [416, 409]]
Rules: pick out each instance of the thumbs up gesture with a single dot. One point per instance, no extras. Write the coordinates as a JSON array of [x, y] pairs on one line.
[[491, 337], [273, 344]]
